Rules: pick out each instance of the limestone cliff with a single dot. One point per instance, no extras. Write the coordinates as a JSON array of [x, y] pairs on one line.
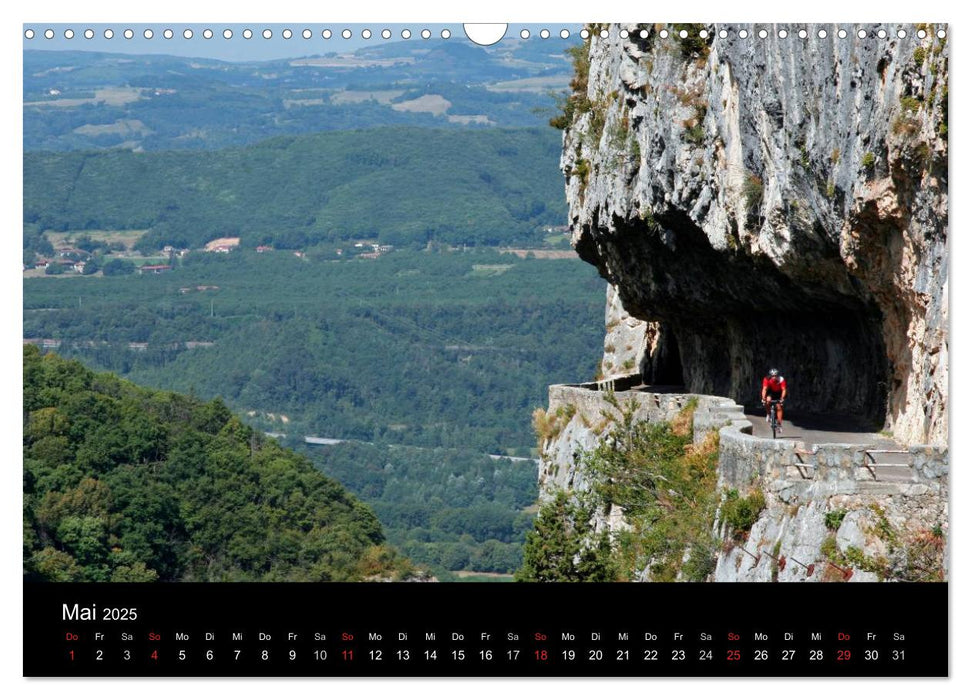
[[753, 202], [823, 514], [770, 201]]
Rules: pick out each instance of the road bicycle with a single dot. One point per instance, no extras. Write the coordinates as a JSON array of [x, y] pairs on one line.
[[774, 417]]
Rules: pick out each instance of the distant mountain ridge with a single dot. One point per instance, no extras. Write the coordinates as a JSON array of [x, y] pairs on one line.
[[75, 100], [484, 187]]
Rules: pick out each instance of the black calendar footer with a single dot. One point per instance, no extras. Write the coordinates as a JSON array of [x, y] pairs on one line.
[[501, 630]]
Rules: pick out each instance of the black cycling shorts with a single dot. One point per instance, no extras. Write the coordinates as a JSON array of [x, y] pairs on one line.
[[773, 396]]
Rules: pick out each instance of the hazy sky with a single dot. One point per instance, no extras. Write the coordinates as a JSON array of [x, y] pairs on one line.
[[257, 48]]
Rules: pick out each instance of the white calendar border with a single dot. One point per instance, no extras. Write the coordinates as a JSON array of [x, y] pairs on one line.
[[485, 11]]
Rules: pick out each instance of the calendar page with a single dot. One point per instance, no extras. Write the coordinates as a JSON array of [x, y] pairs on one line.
[[485, 350]]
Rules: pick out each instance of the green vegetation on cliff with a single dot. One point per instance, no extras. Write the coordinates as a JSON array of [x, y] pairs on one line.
[[563, 547], [915, 555], [128, 484], [575, 102], [666, 487]]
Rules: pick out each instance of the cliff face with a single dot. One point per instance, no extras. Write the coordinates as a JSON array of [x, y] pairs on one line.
[[771, 202], [824, 516]]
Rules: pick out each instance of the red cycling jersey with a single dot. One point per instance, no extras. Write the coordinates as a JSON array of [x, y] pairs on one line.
[[774, 385]]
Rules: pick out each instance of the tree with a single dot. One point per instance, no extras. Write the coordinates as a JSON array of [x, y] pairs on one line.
[[51, 564], [117, 267], [563, 547]]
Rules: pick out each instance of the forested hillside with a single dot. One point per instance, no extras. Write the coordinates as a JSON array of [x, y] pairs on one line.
[[453, 509], [128, 484], [400, 186], [449, 349], [82, 100], [366, 300]]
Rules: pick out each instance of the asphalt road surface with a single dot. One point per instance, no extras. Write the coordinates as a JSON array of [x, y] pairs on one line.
[[807, 427], [816, 429]]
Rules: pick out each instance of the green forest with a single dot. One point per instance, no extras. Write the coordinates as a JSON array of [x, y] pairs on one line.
[[428, 359], [444, 508], [399, 186], [433, 349], [123, 483], [445, 350]]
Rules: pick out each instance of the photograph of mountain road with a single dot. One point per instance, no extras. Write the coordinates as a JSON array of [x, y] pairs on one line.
[[626, 302]]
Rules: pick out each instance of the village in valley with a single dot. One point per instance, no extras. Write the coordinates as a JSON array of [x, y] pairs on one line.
[[111, 253], [84, 254]]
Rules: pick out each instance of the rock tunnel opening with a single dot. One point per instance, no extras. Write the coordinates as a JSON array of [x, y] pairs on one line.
[[725, 317], [663, 365]]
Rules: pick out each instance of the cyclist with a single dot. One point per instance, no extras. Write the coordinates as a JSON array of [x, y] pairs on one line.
[[774, 389]]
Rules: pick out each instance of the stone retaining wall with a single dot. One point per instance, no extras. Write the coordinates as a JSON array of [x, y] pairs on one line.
[[803, 483], [795, 470], [800, 472]]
